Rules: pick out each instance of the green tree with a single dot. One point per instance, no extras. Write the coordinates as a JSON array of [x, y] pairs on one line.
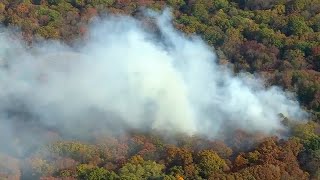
[[176, 3], [209, 162], [76, 150], [297, 26], [54, 2], [220, 4], [100, 2], [78, 3], [296, 58], [214, 36], [200, 10], [137, 168], [88, 172], [313, 144], [305, 132]]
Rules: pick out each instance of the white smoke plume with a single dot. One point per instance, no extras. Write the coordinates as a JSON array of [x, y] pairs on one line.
[[124, 77]]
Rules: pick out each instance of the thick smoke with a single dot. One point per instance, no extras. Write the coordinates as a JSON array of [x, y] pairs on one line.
[[124, 77]]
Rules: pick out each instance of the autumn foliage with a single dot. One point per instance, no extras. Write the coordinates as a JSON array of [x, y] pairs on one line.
[[279, 40]]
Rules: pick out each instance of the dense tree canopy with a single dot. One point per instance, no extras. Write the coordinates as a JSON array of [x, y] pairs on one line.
[[279, 40], [267, 158]]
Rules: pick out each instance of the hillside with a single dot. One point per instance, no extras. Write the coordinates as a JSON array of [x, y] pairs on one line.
[[278, 41]]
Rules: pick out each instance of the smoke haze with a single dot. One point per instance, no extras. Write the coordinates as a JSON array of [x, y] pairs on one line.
[[124, 77]]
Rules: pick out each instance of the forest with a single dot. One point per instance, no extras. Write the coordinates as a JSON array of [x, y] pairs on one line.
[[278, 40]]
